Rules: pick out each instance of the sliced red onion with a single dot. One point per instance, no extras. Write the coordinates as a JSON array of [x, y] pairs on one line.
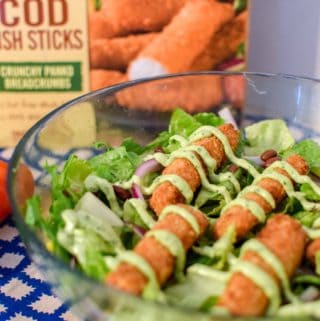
[[145, 168], [136, 192], [138, 230], [121, 193], [234, 64]]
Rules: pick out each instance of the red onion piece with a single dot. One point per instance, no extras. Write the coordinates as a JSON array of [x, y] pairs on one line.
[[136, 191], [138, 230], [233, 64], [146, 167], [121, 193]]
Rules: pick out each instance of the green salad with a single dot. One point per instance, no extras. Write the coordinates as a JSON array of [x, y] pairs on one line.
[[204, 216]]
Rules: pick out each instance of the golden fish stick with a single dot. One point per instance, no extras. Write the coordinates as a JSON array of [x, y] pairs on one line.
[[166, 193], [130, 279], [285, 238], [312, 249], [128, 16], [116, 53], [182, 40], [100, 78], [241, 217], [223, 44], [99, 26], [192, 93]]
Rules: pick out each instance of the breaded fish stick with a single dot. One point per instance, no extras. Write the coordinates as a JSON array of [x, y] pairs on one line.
[[312, 249], [242, 219], [130, 279], [182, 40], [166, 193], [223, 44], [192, 93], [99, 26], [100, 78], [285, 238], [116, 53], [128, 16]]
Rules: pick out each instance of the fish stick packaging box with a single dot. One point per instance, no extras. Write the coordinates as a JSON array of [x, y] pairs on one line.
[[52, 51]]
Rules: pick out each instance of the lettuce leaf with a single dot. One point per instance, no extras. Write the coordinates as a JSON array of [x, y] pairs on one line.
[[267, 134], [219, 251], [306, 218], [48, 226], [184, 124], [309, 193], [116, 164], [309, 150]]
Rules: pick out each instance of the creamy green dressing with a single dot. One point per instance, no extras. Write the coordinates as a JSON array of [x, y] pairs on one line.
[[261, 192], [152, 289], [141, 208], [179, 139], [254, 208], [300, 309], [94, 183], [207, 131], [188, 153], [174, 246], [294, 174], [207, 271], [176, 181], [300, 179], [263, 280], [277, 266], [189, 217]]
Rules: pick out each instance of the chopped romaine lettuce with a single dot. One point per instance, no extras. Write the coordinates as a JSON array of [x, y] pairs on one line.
[[35, 218], [115, 164], [310, 151], [88, 248], [267, 134], [184, 124], [219, 251], [306, 218], [73, 175], [309, 193]]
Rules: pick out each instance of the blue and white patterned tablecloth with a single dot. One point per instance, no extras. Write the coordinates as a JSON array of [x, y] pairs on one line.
[[24, 295]]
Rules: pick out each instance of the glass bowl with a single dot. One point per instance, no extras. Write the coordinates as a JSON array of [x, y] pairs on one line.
[[140, 109]]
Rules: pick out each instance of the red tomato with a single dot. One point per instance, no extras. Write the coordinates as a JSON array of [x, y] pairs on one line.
[[5, 208]]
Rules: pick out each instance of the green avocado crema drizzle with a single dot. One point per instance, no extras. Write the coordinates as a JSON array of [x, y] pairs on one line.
[[141, 208], [189, 217], [94, 183], [175, 180], [252, 206], [261, 192], [174, 246], [188, 153], [263, 280], [152, 289], [207, 131], [258, 247]]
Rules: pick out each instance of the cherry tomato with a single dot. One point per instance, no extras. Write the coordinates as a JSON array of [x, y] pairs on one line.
[[5, 208]]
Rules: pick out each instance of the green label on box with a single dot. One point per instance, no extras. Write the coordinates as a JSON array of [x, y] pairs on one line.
[[40, 77]]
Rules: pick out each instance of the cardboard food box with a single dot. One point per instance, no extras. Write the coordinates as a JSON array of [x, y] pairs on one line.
[[54, 50]]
